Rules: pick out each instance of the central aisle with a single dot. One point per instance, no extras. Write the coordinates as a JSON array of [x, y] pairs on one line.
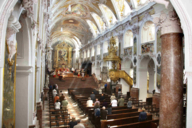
[[75, 111]]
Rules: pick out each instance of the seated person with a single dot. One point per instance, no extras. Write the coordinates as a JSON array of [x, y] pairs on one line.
[[54, 93], [109, 109], [97, 112], [56, 98], [97, 105], [92, 96], [57, 105], [50, 88], [113, 97], [102, 97], [64, 103], [61, 98], [103, 114], [79, 124], [89, 102], [142, 115], [97, 102], [105, 103], [56, 86], [114, 103], [129, 104], [121, 101], [72, 123]]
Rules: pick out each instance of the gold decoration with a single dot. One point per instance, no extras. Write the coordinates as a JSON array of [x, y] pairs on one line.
[[115, 73], [10, 62]]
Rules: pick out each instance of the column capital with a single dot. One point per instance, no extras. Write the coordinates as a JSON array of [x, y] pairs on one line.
[[168, 22]]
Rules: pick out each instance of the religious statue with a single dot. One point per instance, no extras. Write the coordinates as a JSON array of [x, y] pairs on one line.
[[47, 81]]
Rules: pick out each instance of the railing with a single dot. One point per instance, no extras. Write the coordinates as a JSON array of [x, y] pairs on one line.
[[126, 77]]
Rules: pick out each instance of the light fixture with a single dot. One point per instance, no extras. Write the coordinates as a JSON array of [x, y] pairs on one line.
[[71, 21]]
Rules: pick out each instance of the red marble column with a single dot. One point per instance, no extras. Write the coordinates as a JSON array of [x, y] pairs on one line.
[[171, 101]]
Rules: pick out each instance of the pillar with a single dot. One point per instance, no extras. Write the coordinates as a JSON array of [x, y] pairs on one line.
[[171, 97]]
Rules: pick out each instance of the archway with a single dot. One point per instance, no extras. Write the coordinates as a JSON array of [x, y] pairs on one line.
[[146, 67]]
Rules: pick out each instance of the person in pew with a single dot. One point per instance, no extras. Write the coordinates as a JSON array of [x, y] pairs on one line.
[[104, 103], [57, 105], [79, 124], [72, 123], [102, 97], [89, 102], [113, 97], [142, 115], [129, 104], [97, 105], [92, 97], [64, 104], [103, 114], [97, 101], [97, 112], [54, 93], [56, 87], [105, 87], [56, 98], [114, 103], [50, 88], [121, 101], [62, 97], [109, 110]]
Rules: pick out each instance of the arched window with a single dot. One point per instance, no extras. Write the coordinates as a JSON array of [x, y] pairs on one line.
[[92, 51], [128, 39], [148, 32], [148, 38], [88, 53], [108, 14], [99, 21], [122, 8], [93, 28]]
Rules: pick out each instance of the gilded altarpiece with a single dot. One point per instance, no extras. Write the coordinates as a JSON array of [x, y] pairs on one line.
[[9, 91], [63, 56]]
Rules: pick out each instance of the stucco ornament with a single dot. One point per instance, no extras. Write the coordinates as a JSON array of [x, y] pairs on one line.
[[12, 28], [164, 2], [168, 23], [28, 6]]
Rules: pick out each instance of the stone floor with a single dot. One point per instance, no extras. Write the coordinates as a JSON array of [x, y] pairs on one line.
[[73, 110]]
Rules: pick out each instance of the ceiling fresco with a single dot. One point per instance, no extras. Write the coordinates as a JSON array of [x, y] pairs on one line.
[[85, 19]]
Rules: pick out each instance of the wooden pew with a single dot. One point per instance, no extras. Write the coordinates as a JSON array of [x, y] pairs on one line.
[[144, 124], [120, 121]]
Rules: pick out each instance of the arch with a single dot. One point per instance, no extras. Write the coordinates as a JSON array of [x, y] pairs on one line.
[[108, 14], [122, 8], [146, 65], [93, 28], [128, 39], [99, 21], [148, 32]]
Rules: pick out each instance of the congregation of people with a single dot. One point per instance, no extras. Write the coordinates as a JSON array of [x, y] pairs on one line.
[[107, 107]]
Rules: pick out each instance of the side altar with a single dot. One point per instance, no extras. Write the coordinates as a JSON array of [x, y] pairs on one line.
[[62, 56]]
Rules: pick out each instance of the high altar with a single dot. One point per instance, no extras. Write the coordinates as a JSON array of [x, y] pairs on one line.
[[62, 56]]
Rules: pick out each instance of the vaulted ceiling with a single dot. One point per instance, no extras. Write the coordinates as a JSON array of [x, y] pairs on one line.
[[78, 21]]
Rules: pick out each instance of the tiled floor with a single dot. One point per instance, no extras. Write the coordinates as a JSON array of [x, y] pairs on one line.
[[73, 109]]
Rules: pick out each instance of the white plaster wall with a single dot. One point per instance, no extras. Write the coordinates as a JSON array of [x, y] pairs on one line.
[[125, 86]]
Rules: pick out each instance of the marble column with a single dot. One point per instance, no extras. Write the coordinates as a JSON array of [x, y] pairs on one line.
[[171, 97]]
